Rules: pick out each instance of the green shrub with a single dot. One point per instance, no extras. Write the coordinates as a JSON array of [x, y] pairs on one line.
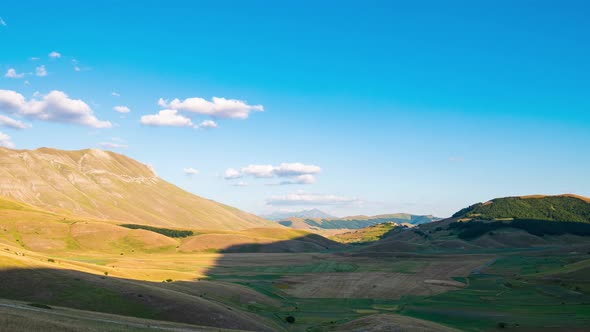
[[39, 305], [164, 231]]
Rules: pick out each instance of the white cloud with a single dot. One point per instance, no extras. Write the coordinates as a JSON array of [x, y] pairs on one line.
[[12, 123], [259, 171], [76, 68], [11, 73], [301, 179], [300, 173], [55, 55], [190, 171], [6, 141], [41, 71], [217, 107], [2, 23], [169, 118], [240, 184], [308, 199], [296, 169], [231, 173], [116, 94], [209, 124], [56, 106], [121, 109], [113, 145]]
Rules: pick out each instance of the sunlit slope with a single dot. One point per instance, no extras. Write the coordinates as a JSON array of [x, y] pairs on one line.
[[34, 229], [106, 185]]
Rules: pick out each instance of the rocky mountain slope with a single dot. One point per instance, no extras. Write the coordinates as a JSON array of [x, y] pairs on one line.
[[100, 184]]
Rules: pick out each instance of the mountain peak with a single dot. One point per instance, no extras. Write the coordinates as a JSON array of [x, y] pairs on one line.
[[108, 185]]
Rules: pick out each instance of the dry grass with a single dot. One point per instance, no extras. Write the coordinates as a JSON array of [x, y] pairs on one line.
[[428, 278], [104, 185], [391, 323]]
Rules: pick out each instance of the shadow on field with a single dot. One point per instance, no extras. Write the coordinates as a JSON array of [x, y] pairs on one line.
[[307, 243], [205, 302]]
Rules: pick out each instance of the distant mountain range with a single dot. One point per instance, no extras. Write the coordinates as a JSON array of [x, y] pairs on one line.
[[355, 222], [313, 213]]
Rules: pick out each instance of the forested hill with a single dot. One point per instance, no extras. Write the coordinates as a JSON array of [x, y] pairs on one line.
[[549, 208]]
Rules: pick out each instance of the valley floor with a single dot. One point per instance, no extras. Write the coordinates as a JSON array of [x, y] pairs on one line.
[[532, 289]]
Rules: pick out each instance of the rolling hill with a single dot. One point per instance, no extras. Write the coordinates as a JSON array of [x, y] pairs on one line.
[[100, 184], [537, 207], [509, 222]]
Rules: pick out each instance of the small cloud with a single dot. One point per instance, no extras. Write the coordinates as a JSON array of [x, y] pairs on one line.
[[166, 118], [41, 71], [34, 58], [208, 124], [240, 184], [2, 23], [217, 107], [56, 106], [6, 141], [308, 199], [11, 73], [26, 82], [113, 145], [190, 171], [231, 173], [55, 55], [12, 123], [297, 173], [121, 109], [77, 67], [116, 94], [301, 179]]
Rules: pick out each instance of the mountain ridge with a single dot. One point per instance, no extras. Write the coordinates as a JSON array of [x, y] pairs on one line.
[[107, 185]]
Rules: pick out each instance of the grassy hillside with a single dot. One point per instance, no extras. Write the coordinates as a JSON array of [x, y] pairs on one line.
[[550, 208], [34, 229], [105, 185], [365, 235], [414, 278]]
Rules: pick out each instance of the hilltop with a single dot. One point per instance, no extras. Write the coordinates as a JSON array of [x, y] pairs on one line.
[[537, 207], [101, 184], [507, 222]]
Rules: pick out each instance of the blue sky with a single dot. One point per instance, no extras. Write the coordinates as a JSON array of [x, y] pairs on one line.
[[368, 107]]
